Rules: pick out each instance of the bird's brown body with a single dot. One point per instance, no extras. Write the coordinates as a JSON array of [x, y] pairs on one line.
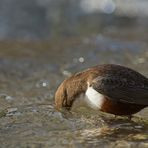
[[123, 90]]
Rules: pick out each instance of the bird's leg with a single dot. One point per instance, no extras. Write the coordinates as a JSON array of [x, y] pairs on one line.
[[129, 117]]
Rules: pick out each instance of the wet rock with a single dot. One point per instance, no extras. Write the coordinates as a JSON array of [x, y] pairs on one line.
[[6, 97], [9, 98], [12, 112]]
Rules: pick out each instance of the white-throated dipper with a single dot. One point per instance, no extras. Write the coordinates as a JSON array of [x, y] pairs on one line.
[[109, 88]]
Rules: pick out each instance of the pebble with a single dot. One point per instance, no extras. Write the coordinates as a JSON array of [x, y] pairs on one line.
[[9, 98], [12, 111]]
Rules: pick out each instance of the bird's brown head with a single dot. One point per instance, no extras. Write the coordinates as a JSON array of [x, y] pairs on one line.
[[69, 90], [61, 97]]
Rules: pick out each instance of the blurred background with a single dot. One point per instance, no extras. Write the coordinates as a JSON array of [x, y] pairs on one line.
[[45, 19], [42, 42]]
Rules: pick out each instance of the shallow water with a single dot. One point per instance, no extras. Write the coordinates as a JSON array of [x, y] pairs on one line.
[[74, 37], [30, 72]]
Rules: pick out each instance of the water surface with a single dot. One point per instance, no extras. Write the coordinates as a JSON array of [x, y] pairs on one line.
[[30, 73]]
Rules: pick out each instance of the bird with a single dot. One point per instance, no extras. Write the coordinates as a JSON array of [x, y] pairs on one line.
[[109, 88]]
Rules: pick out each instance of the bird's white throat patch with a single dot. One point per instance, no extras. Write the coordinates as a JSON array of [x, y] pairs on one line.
[[94, 98]]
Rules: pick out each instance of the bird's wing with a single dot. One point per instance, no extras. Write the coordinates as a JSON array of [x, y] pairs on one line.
[[121, 90]]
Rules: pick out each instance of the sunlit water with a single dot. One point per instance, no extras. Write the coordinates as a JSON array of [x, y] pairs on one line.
[[29, 76]]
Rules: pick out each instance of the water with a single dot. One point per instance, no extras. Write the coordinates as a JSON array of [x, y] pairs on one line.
[[30, 74], [44, 42]]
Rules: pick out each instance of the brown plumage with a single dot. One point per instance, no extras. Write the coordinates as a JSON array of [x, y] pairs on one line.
[[124, 90]]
